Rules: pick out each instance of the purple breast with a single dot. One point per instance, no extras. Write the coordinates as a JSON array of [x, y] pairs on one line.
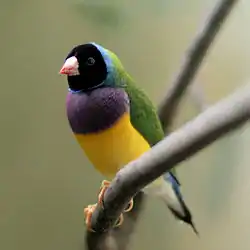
[[96, 111]]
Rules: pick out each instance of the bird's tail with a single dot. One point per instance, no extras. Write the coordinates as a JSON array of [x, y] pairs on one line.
[[172, 196]]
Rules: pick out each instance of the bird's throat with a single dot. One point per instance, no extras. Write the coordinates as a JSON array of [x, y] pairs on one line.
[[96, 111]]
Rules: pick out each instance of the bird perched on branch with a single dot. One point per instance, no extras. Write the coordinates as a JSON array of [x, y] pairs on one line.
[[114, 122]]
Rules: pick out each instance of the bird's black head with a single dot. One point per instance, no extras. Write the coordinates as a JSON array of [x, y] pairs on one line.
[[85, 67]]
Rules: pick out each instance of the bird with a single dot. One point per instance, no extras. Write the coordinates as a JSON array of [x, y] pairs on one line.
[[114, 121]]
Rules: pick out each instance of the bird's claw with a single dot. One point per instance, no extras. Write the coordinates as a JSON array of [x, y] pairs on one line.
[[129, 207], [88, 211], [104, 186]]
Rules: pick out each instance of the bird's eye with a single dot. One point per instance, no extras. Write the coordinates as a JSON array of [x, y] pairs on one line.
[[90, 61]]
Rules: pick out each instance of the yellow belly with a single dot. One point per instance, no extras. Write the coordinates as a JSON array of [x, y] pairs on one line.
[[113, 148]]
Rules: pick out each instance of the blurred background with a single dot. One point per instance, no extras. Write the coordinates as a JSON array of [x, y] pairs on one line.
[[46, 180]]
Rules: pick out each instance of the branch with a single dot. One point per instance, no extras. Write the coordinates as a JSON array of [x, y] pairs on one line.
[[212, 124], [117, 238], [192, 61]]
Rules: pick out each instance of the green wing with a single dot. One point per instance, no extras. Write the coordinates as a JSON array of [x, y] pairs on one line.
[[144, 116]]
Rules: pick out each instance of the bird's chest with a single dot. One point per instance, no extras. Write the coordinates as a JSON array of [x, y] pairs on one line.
[[101, 124]]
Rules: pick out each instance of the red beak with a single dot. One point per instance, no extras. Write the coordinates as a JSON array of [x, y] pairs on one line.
[[70, 67]]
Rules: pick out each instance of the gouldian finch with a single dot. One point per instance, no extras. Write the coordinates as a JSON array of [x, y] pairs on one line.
[[114, 121]]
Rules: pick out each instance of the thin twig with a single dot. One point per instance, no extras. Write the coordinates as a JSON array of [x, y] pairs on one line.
[[192, 60], [215, 122]]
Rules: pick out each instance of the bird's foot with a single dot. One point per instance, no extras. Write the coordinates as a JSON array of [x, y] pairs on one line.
[[104, 186], [88, 211]]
